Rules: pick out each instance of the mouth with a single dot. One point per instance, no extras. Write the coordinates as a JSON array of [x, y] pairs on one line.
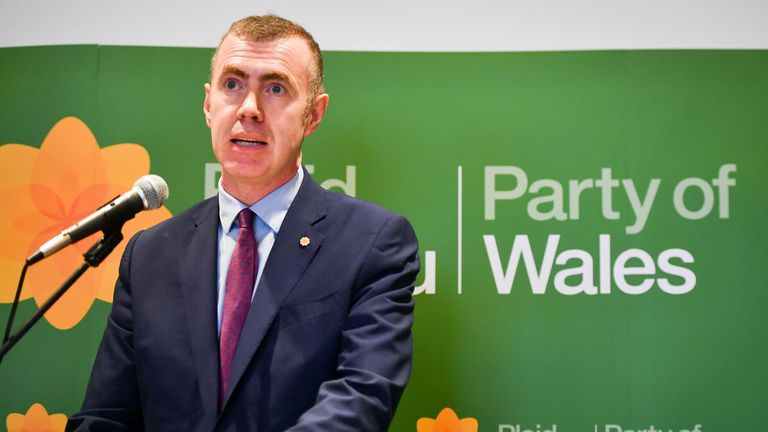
[[247, 143]]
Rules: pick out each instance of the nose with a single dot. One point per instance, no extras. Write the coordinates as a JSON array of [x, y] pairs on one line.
[[249, 109]]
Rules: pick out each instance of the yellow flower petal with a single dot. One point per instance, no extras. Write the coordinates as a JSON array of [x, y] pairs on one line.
[[17, 161], [14, 422], [447, 421], [36, 420], [53, 188], [58, 422], [69, 160], [425, 424], [468, 424], [125, 163]]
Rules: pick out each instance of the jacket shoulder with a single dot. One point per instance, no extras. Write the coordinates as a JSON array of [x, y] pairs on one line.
[[191, 217]]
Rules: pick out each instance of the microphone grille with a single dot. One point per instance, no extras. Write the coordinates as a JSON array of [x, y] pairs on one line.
[[154, 190]]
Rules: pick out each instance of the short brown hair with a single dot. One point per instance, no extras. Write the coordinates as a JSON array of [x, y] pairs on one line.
[[272, 27]]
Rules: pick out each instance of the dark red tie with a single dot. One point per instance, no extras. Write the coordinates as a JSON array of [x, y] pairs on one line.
[[241, 277]]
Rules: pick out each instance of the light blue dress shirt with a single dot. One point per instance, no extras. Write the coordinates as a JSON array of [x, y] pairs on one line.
[[270, 212]]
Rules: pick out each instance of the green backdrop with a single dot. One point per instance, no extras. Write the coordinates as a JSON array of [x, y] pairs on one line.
[[409, 123]]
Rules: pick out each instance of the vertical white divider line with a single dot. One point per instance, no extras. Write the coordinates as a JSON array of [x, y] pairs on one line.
[[458, 254]]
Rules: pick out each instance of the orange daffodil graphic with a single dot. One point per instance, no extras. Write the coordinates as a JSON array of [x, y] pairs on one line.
[[36, 420], [447, 421], [45, 191]]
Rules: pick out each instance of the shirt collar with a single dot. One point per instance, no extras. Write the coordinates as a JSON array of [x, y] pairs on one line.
[[271, 209]]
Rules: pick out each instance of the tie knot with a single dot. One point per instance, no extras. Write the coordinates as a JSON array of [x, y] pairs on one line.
[[245, 218]]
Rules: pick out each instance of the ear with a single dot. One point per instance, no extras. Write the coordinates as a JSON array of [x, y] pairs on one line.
[[315, 114], [207, 104]]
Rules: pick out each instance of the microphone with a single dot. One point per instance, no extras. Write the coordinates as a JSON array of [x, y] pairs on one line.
[[148, 193]]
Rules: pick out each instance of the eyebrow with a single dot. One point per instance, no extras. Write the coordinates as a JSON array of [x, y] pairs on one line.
[[276, 76], [269, 76], [234, 70]]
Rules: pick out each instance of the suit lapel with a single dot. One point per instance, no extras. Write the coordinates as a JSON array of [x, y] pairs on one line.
[[197, 272], [287, 262]]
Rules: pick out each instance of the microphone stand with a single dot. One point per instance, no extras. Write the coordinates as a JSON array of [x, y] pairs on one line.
[[95, 255]]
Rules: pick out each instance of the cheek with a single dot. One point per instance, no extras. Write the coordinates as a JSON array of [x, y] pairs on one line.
[[221, 118], [221, 107]]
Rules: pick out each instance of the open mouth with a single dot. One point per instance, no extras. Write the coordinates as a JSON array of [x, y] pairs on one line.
[[248, 143]]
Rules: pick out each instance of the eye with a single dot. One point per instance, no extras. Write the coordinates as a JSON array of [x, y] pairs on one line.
[[230, 84], [276, 89]]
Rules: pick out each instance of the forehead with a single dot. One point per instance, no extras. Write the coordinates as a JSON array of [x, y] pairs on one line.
[[290, 56]]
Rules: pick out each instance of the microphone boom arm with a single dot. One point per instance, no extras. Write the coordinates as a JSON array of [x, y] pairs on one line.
[[95, 255]]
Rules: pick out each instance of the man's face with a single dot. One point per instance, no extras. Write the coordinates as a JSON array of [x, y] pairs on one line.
[[259, 110]]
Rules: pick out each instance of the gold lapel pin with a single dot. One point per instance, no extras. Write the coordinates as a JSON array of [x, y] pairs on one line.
[[304, 241]]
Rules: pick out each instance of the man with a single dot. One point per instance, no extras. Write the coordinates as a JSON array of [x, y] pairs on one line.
[[298, 318]]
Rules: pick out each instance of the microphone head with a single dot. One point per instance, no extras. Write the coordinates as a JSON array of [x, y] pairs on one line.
[[153, 190]]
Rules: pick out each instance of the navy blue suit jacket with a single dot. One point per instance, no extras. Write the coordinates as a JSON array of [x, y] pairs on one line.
[[326, 345]]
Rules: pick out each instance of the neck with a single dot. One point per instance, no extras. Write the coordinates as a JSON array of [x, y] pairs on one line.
[[250, 193]]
